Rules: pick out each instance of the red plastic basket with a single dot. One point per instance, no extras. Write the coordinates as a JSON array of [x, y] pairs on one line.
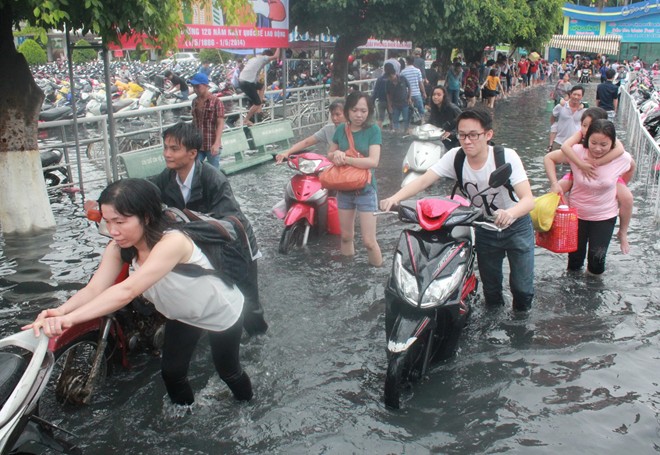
[[563, 235]]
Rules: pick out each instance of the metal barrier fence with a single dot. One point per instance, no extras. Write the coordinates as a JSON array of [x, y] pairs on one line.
[[306, 108], [644, 150]]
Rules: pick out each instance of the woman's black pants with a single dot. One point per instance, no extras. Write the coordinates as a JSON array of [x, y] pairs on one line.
[[180, 342]]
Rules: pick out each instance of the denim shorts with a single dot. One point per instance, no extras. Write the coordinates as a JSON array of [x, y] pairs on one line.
[[364, 201]]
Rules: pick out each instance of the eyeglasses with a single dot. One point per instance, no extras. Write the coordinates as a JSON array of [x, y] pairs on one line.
[[472, 136]]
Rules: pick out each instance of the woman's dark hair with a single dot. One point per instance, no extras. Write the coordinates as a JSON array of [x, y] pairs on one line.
[[603, 127], [480, 114], [443, 116], [352, 100], [336, 104], [594, 113], [140, 198], [446, 100]]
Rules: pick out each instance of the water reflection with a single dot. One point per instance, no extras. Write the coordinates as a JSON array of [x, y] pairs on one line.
[[582, 362], [23, 257]]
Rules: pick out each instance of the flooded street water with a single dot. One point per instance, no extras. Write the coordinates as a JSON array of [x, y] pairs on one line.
[[578, 374]]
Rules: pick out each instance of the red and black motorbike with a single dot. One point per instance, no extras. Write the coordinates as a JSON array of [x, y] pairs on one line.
[[87, 352], [306, 206], [432, 284]]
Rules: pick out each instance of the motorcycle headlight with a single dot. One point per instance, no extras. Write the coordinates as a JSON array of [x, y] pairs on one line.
[[406, 281], [308, 166], [442, 288]]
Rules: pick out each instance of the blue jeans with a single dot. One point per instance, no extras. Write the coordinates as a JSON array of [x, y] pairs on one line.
[[517, 243], [403, 112], [213, 160], [364, 200], [454, 95], [418, 102]]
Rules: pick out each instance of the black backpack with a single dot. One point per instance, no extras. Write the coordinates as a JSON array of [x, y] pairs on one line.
[[459, 160], [223, 241]]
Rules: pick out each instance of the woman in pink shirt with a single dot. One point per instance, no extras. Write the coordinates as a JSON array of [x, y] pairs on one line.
[[595, 198]]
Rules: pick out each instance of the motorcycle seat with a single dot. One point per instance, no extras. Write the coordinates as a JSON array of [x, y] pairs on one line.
[[50, 157], [55, 113], [12, 367]]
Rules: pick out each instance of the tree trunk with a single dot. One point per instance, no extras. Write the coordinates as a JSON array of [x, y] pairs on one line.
[[24, 205], [345, 45], [443, 56]]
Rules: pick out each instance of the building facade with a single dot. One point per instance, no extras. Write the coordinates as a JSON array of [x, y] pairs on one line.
[[638, 25]]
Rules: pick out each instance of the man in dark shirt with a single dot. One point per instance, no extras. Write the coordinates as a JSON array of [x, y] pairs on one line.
[[178, 83], [607, 94], [420, 64], [398, 98], [379, 97], [194, 185]]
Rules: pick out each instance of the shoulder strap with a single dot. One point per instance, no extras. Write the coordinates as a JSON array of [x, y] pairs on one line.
[[499, 161], [351, 142], [459, 160]]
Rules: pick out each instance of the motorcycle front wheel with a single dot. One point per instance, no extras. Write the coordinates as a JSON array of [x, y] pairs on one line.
[[293, 236], [51, 179], [403, 368], [71, 373]]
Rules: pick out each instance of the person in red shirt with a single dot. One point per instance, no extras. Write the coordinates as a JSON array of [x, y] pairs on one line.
[[533, 72], [523, 70], [209, 118]]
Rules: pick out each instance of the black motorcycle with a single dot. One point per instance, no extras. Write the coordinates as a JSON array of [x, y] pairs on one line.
[[54, 172], [432, 284]]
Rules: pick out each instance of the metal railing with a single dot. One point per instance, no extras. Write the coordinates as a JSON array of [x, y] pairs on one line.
[[306, 108], [644, 150]]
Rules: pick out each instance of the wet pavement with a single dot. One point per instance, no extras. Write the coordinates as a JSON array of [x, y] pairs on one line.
[[578, 374]]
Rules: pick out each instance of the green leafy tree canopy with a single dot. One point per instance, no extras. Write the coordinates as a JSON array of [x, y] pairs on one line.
[[34, 54], [83, 55]]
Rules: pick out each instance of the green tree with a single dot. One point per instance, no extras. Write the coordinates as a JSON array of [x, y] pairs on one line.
[[34, 54], [83, 55], [471, 25], [24, 202], [210, 55], [355, 21]]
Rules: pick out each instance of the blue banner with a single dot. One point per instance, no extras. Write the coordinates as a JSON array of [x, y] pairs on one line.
[[645, 30], [612, 14]]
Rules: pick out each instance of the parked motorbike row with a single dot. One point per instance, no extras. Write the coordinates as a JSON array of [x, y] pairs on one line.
[[647, 97], [146, 88]]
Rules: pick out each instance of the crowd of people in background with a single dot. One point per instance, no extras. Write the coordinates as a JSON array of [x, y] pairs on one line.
[[492, 78]]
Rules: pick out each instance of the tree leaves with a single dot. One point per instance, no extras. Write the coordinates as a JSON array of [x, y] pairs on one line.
[[471, 24]]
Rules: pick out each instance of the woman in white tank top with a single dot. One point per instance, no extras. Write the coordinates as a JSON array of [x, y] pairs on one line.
[[133, 213]]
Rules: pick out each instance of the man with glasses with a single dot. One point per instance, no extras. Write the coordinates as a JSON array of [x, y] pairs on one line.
[[509, 212]]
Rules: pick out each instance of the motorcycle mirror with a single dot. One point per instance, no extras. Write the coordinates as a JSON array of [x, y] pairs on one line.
[[500, 176]]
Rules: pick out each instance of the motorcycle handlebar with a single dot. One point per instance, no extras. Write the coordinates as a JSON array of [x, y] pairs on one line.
[[488, 225]]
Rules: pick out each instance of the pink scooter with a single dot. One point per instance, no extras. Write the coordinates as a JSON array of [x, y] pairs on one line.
[[306, 205]]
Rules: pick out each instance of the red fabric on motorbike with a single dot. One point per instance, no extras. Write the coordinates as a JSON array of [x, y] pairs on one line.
[[433, 212]]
